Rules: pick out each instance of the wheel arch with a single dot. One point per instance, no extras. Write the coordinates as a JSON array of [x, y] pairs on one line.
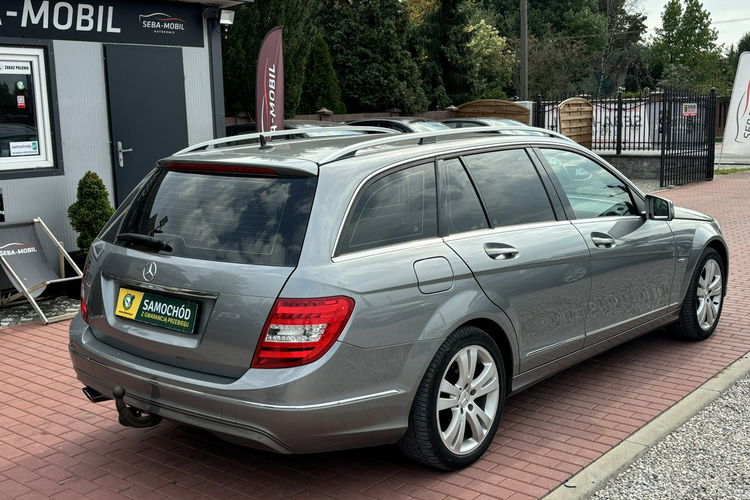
[[500, 338], [722, 250]]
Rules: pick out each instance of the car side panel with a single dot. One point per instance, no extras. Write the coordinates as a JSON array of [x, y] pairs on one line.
[[691, 238], [544, 286], [389, 306], [632, 278]]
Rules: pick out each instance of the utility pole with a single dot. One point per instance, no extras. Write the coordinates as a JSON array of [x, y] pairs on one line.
[[524, 51]]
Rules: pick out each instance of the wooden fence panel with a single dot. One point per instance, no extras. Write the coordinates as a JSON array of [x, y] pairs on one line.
[[576, 120]]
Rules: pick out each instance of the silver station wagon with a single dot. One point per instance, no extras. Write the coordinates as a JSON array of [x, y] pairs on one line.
[[317, 294]]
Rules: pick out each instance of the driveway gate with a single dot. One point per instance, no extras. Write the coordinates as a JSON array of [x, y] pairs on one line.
[[688, 128]]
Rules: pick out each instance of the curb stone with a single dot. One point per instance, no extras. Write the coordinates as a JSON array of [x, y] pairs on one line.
[[596, 475]]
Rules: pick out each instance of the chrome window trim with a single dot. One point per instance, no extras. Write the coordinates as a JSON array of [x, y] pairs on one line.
[[608, 217], [504, 229], [393, 247], [434, 156], [161, 288], [587, 153], [383, 170]]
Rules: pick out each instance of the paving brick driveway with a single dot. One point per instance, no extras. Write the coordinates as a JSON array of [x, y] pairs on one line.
[[54, 443]]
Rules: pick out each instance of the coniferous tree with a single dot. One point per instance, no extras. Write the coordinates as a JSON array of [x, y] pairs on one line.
[[369, 42], [240, 51], [321, 86]]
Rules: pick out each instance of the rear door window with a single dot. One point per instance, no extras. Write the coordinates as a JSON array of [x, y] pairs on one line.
[[510, 187], [227, 218], [395, 208], [460, 209]]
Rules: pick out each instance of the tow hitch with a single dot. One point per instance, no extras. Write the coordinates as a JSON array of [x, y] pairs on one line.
[[131, 416]]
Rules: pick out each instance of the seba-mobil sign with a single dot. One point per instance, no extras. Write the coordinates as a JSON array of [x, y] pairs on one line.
[[132, 21]]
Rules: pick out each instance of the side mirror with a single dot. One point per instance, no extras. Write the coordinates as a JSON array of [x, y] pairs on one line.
[[659, 208]]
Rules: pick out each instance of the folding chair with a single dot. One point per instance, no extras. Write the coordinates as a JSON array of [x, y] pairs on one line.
[[25, 264]]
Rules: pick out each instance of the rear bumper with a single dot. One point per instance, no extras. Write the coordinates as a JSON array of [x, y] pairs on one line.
[[350, 398]]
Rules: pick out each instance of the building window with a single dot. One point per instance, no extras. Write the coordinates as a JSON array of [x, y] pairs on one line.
[[25, 131]]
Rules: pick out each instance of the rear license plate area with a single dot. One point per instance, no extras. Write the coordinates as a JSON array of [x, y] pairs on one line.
[[157, 310]]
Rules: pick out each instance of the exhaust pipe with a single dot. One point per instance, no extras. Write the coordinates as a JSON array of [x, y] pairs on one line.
[[94, 396], [131, 416]]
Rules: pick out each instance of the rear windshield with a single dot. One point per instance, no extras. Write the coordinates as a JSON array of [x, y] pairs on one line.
[[218, 217]]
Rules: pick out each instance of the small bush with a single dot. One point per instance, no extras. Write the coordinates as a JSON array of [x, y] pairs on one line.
[[90, 211]]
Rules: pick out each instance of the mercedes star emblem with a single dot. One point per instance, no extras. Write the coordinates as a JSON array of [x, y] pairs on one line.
[[149, 272]]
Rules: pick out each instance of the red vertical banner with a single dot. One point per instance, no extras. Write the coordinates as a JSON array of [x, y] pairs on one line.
[[269, 83]]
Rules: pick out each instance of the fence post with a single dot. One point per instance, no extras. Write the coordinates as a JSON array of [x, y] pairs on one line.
[[618, 146], [538, 122], [666, 136], [711, 139]]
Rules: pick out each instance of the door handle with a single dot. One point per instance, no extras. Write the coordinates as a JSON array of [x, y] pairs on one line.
[[500, 251], [602, 240], [120, 151]]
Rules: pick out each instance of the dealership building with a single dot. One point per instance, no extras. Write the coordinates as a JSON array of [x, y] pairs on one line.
[[103, 85]]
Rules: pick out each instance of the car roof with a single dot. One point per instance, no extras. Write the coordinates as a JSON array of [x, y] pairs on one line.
[[394, 119], [309, 154], [486, 120]]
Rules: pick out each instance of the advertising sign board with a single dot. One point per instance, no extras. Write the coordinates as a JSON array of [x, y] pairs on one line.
[[737, 129], [135, 21]]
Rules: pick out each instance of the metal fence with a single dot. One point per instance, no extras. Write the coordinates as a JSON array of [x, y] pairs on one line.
[[680, 126], [619, 124], [688, 139]]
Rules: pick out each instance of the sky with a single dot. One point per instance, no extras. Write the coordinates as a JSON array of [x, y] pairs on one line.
[[737, 12]]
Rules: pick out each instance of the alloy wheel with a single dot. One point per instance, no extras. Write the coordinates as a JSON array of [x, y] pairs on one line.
[[468, 399], [709, 294]]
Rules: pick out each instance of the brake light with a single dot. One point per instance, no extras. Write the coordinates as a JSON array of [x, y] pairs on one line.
[[211, 167], [84, 305], [299, 331]]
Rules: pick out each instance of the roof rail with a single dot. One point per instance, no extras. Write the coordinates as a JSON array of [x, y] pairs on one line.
[[431, 138], [280, 133]]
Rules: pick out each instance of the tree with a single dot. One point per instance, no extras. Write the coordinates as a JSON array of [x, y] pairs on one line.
[[369, 42], [490, 60], [555, 69], [240, 51], [684, 52], [620, 53], [464, 56], [733, 56], [446, 65], [744, 44], [321, 87]]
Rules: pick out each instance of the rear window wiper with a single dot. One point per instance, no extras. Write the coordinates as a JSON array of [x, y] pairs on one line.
[[145, 240]]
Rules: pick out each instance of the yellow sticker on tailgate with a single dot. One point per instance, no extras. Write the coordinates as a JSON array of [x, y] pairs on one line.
[[128, 303]]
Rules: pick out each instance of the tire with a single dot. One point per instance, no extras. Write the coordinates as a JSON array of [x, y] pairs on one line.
[[702, 306], [473, 402]]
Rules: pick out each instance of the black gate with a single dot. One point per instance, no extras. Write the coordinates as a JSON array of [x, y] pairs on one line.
[[688, 131]]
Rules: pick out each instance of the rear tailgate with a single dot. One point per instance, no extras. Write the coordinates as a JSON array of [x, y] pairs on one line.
[[232, 240]]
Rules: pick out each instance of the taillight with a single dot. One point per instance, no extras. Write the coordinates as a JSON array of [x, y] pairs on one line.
[[84, 304], [299, 331]]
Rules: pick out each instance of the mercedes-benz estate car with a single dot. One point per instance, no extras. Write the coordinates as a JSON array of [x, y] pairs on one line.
[[336, 292]]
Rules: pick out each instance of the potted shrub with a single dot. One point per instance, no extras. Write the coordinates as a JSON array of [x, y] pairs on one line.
[[91, 210]]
